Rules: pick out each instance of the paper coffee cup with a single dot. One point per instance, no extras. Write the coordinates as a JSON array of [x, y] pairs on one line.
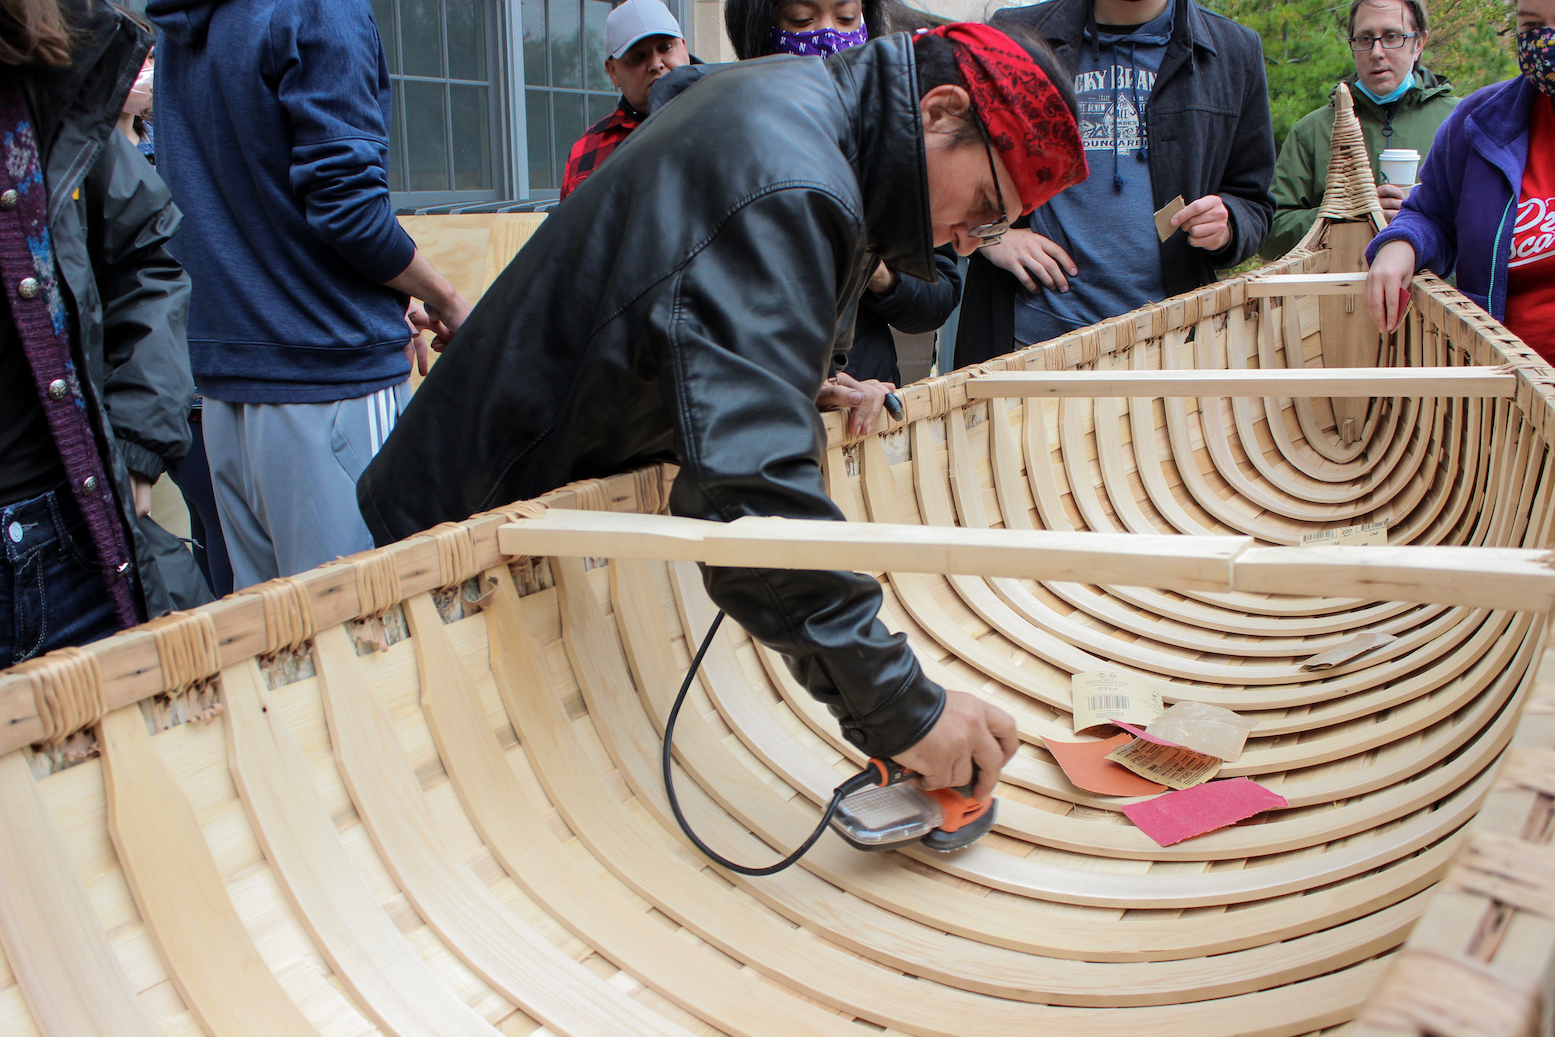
[[1398, 166]]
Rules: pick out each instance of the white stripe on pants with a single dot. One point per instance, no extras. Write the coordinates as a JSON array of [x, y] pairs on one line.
[[285, 474]]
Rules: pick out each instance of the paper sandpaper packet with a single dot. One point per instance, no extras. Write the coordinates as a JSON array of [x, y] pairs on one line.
[[1173, 765], [1102, 696], [1203, 728]]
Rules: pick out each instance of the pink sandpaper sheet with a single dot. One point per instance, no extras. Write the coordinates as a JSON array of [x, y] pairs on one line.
[[1176, 816], [1139, 732]]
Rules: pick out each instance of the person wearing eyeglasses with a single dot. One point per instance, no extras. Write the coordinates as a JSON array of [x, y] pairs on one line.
[[694, 317], [1399, 102], [1173, 103], [1484, 208]]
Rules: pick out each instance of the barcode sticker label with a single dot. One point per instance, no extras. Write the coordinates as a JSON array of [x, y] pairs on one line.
[[1096, 703], [1102, 696], [1370, 534]]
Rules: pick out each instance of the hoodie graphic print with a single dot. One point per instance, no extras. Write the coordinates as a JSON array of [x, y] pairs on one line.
[[1106, 224]]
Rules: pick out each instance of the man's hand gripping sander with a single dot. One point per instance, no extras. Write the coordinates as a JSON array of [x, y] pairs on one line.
[[879, 808]]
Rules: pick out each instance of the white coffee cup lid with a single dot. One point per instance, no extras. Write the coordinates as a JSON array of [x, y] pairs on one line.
[[1399, 155]]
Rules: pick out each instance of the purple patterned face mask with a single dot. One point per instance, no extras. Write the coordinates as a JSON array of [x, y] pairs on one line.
[[1536, 57], [821, 43]]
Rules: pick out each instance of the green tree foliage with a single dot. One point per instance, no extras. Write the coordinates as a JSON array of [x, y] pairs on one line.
[[1466, 44], [1305, 50]]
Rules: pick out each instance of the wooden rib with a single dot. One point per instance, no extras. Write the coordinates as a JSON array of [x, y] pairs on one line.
[[729, 924], [1242, 345], [1029, 877], [1274, 837], [1280, 498], [68, 973], [1166, 384], [883, 935], [475, 924], [734, 1000], [1059, 651], [386, 978], [210, 956], [1307, 418], [799, 769]]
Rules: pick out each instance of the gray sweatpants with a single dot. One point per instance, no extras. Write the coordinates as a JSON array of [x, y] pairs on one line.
[[285, 476]]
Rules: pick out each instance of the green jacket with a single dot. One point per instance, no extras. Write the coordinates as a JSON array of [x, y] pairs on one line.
[[1301, 171]]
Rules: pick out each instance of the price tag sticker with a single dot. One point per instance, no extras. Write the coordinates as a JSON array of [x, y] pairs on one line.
[[1371, 534], [1102, 696]]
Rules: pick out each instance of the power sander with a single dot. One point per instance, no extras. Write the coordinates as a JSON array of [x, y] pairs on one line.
[[879, 808], [896, 812]]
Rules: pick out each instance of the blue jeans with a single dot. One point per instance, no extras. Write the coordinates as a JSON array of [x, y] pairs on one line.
[[51, 590]]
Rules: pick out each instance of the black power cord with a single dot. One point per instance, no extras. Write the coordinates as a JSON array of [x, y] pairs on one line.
[[862, 780]]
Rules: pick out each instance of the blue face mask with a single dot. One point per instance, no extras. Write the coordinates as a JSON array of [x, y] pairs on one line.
[[1398, 92], [816, 42]]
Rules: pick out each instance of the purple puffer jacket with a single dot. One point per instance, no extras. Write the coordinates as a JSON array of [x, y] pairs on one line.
[[1462, 212]]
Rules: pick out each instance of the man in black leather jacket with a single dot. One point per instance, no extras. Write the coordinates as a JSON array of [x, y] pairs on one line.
[[685, 304]]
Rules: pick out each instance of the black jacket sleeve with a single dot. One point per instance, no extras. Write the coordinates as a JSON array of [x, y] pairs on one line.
[[148, 389], [744, 356], [1249, 170], [915, 306]]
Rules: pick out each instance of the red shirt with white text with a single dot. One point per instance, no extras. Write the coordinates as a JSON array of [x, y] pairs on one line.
[[1530, 296]]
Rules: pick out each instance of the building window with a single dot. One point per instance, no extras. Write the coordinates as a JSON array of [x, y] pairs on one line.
[[566, 89], [446, 140]]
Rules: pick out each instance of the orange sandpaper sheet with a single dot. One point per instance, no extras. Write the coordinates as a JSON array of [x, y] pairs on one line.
[[1084, 764], [1184, 814]]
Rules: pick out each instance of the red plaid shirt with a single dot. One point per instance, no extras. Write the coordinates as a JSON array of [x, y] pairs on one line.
[[596, 145]]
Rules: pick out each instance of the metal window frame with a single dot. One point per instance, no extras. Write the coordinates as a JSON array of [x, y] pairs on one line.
[[507, 178], [517, 88]]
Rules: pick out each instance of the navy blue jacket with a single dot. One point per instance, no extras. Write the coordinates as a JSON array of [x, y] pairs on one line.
[[1460, 216], [273, 134]]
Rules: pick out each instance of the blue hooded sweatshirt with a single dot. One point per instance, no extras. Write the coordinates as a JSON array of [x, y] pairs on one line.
[[1107, 223], [273, 134]]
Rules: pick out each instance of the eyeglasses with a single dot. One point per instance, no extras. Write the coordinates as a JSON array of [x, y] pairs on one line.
[[1389, 41], [990, 233]]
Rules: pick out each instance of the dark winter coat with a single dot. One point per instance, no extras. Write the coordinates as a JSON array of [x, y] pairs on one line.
[[110, 217], [685, 303], [1210, 133], [912, 307]]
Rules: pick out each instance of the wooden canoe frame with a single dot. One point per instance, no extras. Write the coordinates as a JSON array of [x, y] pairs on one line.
[[454, 824]]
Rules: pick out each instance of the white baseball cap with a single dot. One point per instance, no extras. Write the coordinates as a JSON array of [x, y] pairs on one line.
[[636, 20]]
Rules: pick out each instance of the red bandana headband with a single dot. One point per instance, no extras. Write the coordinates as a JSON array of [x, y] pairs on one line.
[[1027, 120]]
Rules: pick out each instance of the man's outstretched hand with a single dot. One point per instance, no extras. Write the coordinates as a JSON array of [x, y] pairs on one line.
[[968, 731]]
